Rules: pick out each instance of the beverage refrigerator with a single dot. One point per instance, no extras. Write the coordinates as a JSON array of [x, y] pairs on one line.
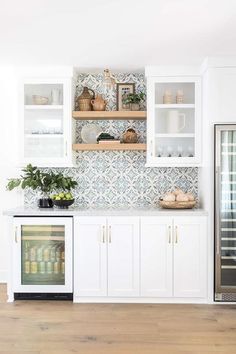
[[225, 212], [42, 258]]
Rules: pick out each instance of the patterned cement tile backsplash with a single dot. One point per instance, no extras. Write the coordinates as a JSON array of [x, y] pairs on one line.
[[115, 128], [120, 179]]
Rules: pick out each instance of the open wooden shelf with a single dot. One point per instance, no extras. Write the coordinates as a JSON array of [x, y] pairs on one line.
[[106, 147], [109, 115]]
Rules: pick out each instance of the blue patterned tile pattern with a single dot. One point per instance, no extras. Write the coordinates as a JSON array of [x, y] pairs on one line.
[[117, 179]]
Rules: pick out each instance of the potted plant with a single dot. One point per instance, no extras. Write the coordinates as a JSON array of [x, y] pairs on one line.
[[45, 182], [133, 99]]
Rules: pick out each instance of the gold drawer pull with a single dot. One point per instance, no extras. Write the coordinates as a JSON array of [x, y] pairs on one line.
[[176, 234], [169, 232], [110, 234], [103, 234]]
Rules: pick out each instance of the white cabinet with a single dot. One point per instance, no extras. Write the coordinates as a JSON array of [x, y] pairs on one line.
[[173, 119], [173, 257], [156, 256], [42, 255], [190, 244], [45, 129], [90, 253], [106, 254], [123, 256]]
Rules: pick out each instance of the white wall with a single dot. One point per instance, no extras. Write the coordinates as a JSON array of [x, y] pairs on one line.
[[219, 98], [8, 155]]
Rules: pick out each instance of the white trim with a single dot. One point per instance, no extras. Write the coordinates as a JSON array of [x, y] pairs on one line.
[[3, 276], [172, 70], [139, 300]]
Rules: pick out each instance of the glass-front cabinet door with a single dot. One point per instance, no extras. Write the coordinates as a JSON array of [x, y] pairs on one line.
[[173, 121], [43, 254], [46, 117]]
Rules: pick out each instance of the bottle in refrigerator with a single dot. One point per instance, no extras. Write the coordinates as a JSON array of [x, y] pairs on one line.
[[42, 267], [49, 267], [46, 254], [39, 254], [58, 253], [33, 254], [63, 254], [33, 267], [27, 267], [53, 254], [62, 267], [26, 252], [56, 268]]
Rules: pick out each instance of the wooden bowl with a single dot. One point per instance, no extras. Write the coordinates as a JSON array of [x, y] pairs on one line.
[[177, 205], [39, 100]]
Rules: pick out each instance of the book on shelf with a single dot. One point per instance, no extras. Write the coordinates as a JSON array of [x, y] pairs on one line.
[[111, 141]]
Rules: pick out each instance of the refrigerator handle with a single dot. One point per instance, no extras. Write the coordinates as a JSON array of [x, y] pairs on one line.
[[217, 206]]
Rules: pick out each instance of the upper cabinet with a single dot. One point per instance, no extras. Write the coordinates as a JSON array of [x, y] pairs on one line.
[[46, 105], [173, 119]]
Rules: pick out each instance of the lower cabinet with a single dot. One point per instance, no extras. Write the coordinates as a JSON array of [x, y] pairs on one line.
[[156, 256], [173, 257], [90, 256], [145, 257], [106, 256], [189, 261]]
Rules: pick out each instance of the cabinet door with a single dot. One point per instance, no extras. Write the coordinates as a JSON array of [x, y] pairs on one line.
[[42, 255], [156, 256], [123, 256], [45, 122], [190, 268], [174, 121], [90, 256]]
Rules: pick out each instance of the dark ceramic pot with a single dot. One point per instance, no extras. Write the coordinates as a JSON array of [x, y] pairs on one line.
[[45, 203]]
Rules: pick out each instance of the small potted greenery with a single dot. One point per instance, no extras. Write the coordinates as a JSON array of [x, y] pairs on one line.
[[133, 99], [46, 183]]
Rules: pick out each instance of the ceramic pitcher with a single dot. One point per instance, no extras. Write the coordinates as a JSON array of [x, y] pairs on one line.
[[99, 104], [175, 121]]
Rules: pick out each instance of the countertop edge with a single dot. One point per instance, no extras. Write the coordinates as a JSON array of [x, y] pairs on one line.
[[26, 211]]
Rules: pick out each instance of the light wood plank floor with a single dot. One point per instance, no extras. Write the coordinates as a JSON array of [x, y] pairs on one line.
[[37, 327]]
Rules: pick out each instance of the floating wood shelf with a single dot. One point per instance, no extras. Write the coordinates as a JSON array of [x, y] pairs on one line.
[[109, 115], [106, 147]]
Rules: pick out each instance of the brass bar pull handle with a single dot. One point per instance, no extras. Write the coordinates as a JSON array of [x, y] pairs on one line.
[[110, 234], [103, 233], [16, 235], [176, 234], [169, 234]]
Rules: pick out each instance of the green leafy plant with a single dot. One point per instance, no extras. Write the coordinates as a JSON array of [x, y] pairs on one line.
[[46, 182], [133, 98]]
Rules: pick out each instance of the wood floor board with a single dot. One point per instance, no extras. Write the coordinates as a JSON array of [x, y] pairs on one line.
[[47, 327]]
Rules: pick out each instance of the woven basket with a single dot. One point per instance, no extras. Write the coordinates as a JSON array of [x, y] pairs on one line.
[[177, 205]]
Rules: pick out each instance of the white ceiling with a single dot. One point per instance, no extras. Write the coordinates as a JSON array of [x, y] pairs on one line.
[[119, 34]]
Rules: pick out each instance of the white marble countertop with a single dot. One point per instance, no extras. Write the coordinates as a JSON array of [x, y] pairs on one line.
[[75, 211]]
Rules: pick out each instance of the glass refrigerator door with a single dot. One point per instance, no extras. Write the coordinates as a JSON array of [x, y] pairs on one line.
[[43, 254], [226, 210]]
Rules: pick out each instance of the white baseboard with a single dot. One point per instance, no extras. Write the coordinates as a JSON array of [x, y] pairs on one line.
[[3, 276], [139, 300]]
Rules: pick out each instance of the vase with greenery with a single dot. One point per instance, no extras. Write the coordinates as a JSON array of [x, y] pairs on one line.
[[44, 182], [133, 99]]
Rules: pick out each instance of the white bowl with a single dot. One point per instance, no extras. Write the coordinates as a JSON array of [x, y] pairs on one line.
[[90, 133]]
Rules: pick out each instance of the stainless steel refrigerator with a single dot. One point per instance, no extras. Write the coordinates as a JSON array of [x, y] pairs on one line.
[[225, 212]]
